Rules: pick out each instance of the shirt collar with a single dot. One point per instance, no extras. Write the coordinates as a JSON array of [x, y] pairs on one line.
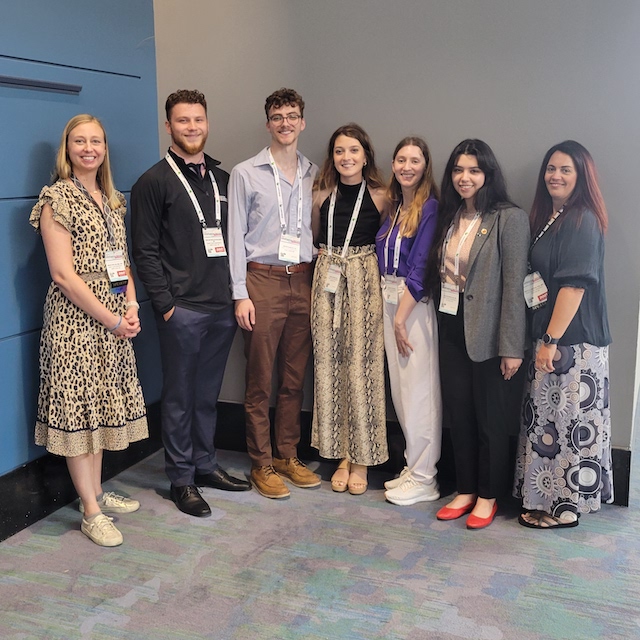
[[263, 158], [208, 160]]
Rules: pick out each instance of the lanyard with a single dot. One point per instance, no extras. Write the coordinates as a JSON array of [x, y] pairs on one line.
[[396, 248], [276, 179], [456, 257], [106, 213], [352, 222], [192, 195], [551, 220]]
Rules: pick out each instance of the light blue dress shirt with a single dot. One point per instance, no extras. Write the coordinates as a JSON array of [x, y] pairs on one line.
[[254, 221]]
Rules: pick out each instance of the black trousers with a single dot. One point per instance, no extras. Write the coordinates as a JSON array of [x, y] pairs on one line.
[[193, 348], [482, 410]]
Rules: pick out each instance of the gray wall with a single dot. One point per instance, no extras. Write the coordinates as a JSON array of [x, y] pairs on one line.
[[520, 75]]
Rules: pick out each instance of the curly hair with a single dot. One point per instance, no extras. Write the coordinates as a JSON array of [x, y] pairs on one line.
[[184, 96], [283, 97]]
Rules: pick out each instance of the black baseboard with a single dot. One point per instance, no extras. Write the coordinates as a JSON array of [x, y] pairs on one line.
[[231, 436], [38, 488]]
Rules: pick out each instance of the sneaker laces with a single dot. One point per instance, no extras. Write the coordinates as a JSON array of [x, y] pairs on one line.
[[104, 523], [408, 482], [112, 499]]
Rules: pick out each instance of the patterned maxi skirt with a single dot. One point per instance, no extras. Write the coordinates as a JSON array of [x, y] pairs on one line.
[[349, 414], [564, 452]]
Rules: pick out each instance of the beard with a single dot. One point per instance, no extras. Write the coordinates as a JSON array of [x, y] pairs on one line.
[[190, 149]]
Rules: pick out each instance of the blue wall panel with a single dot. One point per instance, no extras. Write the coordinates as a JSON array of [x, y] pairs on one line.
[[38, 117], [108, 49], [24, 275], [114, 35], [18, 400]]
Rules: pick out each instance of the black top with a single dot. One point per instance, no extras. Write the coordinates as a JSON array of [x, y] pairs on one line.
[[572, 255], [368, 220], [168, 247]]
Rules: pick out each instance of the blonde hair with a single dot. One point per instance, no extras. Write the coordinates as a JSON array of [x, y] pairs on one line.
[[425, 189], [63, 169]]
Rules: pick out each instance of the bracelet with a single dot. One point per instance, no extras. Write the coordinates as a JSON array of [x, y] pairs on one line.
[[117, 325], [132, 303]]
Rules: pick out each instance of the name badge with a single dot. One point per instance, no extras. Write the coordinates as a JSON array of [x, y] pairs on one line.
[[116, 270], [214, 242], [333, 278], [449, 298], [289, 249], [390, 289], [535, 290]]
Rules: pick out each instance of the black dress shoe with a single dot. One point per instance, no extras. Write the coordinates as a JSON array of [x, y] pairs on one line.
[[220, 479], [189, 500]]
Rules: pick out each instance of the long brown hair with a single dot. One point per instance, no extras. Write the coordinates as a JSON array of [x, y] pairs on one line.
[[426, 187], [63, 168], [586, 195], [329, 176]]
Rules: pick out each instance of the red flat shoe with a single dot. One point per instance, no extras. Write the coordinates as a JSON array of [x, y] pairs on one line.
[[447, 513], [473, 522]]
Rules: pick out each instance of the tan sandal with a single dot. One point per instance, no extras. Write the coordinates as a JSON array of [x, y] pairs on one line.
[[357, 484], [339, 479]]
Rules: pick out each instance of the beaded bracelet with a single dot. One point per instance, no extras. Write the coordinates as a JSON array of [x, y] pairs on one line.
[[117, 325], [132, 303]]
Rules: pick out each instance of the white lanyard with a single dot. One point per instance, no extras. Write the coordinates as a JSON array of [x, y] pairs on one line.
[[192, 195], [456, 257], [276, 178], [396, 248], [352, 222]]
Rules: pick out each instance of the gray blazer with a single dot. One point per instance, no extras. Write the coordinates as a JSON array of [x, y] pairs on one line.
[[494, 306]]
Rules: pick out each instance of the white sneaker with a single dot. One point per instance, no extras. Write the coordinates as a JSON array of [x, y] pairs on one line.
[[114, 503], [396, 482], [102, 531], [411, 491]]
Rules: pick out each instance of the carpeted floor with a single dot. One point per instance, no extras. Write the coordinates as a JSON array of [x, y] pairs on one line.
[[319, 565]]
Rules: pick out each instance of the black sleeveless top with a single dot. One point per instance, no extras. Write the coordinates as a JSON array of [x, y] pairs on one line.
[[368, 220]]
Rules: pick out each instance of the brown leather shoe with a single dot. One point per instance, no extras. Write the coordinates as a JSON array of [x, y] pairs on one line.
[[268, 483], [296, 472]]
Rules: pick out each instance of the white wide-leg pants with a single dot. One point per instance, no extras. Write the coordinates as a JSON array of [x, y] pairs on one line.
[[415, 386]]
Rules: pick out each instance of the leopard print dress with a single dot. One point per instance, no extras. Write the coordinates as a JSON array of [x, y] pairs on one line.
[[90, 397]]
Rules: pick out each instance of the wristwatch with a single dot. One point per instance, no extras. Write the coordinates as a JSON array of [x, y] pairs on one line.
[[547, 339]]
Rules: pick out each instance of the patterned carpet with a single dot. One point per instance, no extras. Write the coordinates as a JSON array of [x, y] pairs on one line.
[[318, 566]]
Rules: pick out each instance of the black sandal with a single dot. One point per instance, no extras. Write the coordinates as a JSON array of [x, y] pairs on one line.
[[543, 520]]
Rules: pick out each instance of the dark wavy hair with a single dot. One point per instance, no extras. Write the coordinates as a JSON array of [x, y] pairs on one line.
[[328, 177], [586, 195], [184, 96], [282, 98], [491, 196]]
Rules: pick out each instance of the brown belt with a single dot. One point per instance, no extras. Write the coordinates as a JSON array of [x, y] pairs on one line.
[[288, 270]]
